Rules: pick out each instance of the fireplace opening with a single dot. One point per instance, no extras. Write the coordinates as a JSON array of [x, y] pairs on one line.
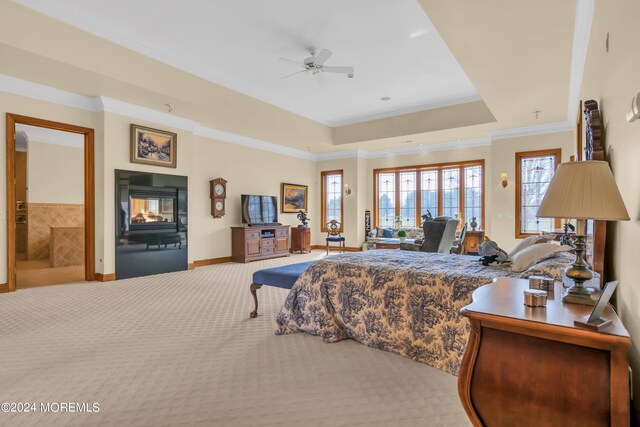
[[152, 209]]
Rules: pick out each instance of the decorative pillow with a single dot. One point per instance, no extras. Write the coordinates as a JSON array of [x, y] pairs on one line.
[[551, 267], [529, 241], [534, 254], [386, 232]]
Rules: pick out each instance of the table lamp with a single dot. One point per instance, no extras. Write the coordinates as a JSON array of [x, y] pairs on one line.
[[582, 190]]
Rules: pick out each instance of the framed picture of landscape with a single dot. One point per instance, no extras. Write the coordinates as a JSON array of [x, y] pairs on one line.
[[293, 198], [153, 146]]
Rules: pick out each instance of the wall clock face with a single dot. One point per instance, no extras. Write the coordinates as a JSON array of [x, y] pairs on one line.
[[219, 206], [219, 190]]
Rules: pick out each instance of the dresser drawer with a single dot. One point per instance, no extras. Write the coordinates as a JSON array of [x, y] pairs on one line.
[[266, 250], [267, 242], [282, 232], [252, 234]]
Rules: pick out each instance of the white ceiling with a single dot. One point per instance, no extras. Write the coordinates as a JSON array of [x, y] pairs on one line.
[[393, 46]]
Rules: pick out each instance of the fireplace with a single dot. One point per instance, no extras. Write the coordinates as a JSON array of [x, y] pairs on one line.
[[151, 223]]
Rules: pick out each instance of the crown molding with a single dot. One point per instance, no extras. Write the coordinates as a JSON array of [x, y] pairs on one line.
[[428, 148], [581, 34], [246, 141], [556, 127], [110, 105], [409, 110], [47, 93], [337, 155]]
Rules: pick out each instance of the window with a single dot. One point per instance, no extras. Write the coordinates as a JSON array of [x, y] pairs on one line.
[[450, 192], [442, 189], [473, 193], [408, 196], [429, 195], [386, 199], [331, 197], [534, 171]]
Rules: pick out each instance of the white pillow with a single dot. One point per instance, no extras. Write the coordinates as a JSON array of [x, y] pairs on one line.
[[534, 254], [529, 241]]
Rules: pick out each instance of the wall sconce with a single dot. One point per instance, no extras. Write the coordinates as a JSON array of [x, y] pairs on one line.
[[503, 177], [347, 190]]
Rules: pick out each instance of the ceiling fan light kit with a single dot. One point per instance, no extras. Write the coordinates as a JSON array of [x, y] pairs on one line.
[[315, 65]]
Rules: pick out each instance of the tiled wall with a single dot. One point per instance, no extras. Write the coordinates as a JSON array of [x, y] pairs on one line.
[[66, 246], [41, 217]]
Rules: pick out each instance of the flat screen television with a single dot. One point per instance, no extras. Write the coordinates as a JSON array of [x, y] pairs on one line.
[[259, 209]]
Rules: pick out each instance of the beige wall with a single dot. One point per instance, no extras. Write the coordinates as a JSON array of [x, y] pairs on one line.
[[55, 173], [201, 159], [248, 171], [612, 79], [501, 210]]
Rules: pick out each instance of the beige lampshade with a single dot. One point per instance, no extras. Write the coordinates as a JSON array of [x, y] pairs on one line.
[[583, 190]]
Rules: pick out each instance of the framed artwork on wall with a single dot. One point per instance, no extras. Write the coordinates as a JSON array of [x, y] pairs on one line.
[[153, 146], [293, 198]]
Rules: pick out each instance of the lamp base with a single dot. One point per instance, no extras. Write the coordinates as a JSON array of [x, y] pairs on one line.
[[578, 295]]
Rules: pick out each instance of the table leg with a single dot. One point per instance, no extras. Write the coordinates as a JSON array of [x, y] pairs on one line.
[[253, 288]]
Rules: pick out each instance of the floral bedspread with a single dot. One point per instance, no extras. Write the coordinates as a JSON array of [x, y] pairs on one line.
[[399, 301]]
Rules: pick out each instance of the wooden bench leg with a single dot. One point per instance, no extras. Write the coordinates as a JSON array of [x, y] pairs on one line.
[[253, 288]]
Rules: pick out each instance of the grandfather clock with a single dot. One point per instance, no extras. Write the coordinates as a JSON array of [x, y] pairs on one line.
[[218, 194]]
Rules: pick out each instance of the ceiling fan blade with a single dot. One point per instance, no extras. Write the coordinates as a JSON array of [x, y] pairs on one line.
[[319, 78], [293, 74], [343, 70], [291, 61], [322, 57]]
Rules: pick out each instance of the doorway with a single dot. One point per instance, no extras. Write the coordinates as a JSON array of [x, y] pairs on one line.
[[50, 202]]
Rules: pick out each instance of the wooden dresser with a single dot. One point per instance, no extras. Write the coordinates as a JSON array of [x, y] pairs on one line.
[[254, 243], [300, 239], [528, 366], [471, 242]]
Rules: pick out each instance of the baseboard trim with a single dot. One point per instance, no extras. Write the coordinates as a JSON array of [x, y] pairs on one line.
[[4, 288], [191, 266], [337, 248], [211, 261], [110, 277]]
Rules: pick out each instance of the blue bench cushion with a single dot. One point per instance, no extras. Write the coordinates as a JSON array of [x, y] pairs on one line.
[[335, 239], [281, 277]]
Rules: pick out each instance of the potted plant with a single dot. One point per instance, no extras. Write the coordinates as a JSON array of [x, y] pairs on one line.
[[402, 235]]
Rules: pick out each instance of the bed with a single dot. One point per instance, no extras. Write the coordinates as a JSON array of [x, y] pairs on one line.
[[399, 301]]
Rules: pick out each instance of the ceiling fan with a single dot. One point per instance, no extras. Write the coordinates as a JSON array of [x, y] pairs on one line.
[[315, 65]]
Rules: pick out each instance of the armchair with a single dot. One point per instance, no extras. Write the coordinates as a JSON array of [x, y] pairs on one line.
[[439, 234]]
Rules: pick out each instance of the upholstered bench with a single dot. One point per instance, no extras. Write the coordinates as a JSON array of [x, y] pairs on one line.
[[280, 277]]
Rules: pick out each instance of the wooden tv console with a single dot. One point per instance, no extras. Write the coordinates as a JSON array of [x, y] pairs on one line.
[[263, 242]]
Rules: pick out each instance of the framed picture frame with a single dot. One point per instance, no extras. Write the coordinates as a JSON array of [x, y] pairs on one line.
[[153, 146], [293, 198]]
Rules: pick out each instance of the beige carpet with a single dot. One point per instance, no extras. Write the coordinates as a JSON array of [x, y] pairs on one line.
[[180, 349]]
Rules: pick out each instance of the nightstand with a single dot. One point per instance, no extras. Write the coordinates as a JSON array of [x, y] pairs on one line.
[[300, 239], [532, 367]]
